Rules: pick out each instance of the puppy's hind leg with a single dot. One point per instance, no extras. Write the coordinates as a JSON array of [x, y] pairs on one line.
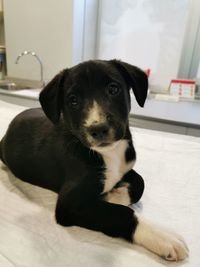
[[1, 153]]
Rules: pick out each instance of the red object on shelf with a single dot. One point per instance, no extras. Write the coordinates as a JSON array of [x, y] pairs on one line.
[[184, 81], [148, 72], [183, 88]]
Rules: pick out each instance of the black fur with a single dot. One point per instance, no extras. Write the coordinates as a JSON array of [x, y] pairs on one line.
[[54, 151], [130, 153], [136, 185]]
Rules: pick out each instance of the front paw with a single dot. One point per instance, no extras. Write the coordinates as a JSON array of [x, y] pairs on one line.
[[171, 247], [119, 195], [166, 244]]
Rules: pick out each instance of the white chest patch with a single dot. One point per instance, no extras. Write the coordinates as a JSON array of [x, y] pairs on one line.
[[115, 163]]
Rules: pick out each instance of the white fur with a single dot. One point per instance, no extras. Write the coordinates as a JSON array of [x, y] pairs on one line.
[[116, 165], [160, 241], [95, 115], [119, 195]]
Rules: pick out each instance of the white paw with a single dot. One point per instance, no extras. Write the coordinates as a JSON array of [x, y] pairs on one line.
[[119, 195], [170, 246], [166, 244]]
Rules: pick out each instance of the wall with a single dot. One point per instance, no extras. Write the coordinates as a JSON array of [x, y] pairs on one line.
[[2, 37], [42, 26], [90, 39], [147, 33]]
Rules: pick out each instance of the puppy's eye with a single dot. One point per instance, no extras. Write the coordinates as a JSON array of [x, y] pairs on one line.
[[73, 100], [113, 89]]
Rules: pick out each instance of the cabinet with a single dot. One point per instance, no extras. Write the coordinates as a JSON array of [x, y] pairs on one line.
[[176, 117]]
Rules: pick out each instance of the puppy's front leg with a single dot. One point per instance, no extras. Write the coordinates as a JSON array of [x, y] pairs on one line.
[[128, 191], [119, 195], [83, 208], [166, 244], [135, 185]]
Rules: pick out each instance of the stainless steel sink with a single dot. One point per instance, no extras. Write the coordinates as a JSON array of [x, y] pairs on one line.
[[14, 84], [13, 87]]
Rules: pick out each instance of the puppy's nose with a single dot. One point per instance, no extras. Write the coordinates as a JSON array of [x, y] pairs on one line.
[[99, 132]]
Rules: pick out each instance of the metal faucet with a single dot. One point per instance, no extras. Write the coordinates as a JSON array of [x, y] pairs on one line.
[[38, 59]]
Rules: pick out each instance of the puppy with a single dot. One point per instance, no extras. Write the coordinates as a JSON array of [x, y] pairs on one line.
[[79, 145]]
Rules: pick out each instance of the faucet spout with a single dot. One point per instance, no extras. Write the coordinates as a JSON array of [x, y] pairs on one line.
[[24, 53]]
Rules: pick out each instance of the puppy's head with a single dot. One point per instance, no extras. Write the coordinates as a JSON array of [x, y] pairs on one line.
[[94, 99]]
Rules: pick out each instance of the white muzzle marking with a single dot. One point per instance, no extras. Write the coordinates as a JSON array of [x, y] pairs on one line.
[[96, 115]]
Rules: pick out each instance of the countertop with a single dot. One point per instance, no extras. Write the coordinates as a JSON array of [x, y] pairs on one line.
[[182, 111], [26, 93]]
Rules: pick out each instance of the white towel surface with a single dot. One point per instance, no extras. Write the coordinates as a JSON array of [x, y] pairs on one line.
[[30, 237]]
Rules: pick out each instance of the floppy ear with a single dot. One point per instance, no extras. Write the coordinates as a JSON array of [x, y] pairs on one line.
[[135, 79], [51, 96]]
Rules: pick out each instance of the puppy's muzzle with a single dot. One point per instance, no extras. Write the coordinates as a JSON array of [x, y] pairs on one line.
[[99, 132]]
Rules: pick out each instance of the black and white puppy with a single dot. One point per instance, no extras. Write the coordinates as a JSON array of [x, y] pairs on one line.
[[79, 145]]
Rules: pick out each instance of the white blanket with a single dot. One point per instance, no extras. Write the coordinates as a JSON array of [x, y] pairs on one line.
[[29, 235]]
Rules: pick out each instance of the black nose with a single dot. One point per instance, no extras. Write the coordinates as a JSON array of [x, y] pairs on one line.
[[99, 132]]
